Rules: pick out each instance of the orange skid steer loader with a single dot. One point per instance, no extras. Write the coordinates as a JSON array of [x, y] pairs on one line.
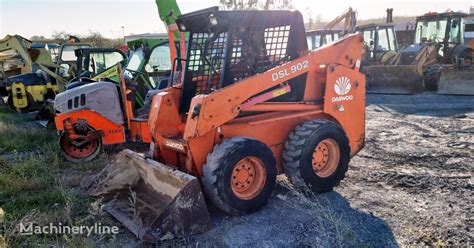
[[252, 102]]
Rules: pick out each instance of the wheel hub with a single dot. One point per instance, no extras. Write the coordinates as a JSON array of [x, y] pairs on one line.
[[325, 159], [82, 151], [248, 178]]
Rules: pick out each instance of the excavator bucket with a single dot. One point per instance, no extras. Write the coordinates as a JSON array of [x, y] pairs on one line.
[[394, 79], [153, 200], [456, 82]]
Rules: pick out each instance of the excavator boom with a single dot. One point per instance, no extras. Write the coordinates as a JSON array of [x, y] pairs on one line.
[[350, 20]]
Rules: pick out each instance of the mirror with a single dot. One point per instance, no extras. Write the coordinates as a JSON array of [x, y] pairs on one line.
[[64, 70], [454, 24], [148, 68], [128, 75]]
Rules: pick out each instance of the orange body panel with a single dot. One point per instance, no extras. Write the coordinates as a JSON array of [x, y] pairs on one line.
[[113, 133], [345, 101], [140, 131], [335, 90], [272, 129]]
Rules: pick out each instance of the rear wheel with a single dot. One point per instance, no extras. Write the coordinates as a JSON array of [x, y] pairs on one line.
[[317, 153], [29, 100], [240, 175], [82, 153], [432, 75]]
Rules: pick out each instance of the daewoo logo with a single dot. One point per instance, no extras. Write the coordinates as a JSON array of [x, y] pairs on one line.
[[342, 86], [175, 146]]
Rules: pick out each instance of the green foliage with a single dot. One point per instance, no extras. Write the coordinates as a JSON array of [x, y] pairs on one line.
[[96, 38], [255, 4]]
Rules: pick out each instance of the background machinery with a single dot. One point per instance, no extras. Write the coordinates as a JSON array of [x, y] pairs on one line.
[[328, 35], [19, 55], [251, 102], [123, 118], [439, 51], [44, 77], [391, 69], [126, 117], [453, 72], [92, 64]]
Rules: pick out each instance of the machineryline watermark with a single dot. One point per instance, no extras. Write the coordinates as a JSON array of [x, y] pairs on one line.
[[97, 229]]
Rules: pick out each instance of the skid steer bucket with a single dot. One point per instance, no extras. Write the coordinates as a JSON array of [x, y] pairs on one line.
[[394, 79], [456, 82], [153, 200]]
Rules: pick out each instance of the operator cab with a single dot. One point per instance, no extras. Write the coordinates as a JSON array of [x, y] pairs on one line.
[[225, 47], [321, 37], [380, 40], [443, 29], [67, 59], [92, 61], [469, 31]]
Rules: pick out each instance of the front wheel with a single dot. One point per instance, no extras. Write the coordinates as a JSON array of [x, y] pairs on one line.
[[82, 153], [26, 109], [240, 175], [317, 153], [432, 76]]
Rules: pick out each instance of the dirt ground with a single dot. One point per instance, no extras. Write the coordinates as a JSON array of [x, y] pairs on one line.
[[411, 185]]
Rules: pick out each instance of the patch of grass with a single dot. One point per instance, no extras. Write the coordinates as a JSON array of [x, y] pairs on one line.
[[37, 180], [19, 133]]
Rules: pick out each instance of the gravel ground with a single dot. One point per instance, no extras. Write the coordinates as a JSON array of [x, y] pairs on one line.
[[410, 185]]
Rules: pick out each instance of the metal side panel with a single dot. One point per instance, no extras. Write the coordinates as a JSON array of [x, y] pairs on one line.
[[101, 97], [396, 79], [456, 82]]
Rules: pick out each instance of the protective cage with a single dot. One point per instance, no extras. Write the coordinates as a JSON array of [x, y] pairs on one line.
[[225, 47]]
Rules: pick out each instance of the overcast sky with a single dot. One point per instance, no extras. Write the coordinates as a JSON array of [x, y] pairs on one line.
[[36, 17]]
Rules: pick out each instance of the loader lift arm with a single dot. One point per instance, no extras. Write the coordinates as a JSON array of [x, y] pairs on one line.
[[168, 10], [224, 105]]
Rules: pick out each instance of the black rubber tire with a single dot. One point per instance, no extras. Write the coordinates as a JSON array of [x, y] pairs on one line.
[[298, 151], [21, 110], [73, 159], [432, 76], [218, 171]]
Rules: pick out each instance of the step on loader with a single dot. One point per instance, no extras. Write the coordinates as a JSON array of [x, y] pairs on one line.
[[251, 102]]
